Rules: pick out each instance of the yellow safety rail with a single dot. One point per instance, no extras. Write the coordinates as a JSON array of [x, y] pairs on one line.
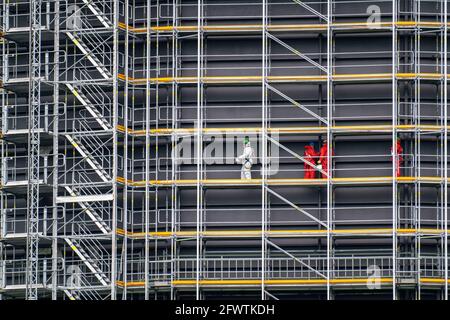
[[285, 130], [273, 282], [281, 233], [284, 27], [280, 182], [281, 79]]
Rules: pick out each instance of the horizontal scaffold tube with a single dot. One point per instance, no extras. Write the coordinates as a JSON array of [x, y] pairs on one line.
[[274, 282], [281, 182], [283, 79], [285, 27], [286, 130], [281, 233]]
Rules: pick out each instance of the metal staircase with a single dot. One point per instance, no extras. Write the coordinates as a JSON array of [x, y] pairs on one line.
[[91, 210], [83, 294], [90, 135], [89, 250], [91, 107], [98, 8], [91, 54], [90, 158]]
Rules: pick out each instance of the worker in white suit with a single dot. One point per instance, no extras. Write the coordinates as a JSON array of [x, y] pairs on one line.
[[246, 159]]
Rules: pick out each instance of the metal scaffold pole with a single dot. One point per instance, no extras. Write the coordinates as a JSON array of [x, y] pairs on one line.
[[126, 108], [445, 156], [34, 151], [175, 154], [330, 143], [56, 107], [115, 114], [264, 132], [394, 150], [199, 149], [147, 151], [416, 110], [2, 196]]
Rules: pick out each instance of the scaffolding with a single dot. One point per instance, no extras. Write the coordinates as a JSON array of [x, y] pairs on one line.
[[121, 121]]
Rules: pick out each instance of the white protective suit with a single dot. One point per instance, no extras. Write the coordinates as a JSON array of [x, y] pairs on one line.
[[246, 159]]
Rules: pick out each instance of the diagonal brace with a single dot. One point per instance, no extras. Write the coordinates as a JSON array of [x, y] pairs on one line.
[[296, 155], [296, 259], [270, 295], [311, 9], [296, 207], [298, 53], [295, 103]]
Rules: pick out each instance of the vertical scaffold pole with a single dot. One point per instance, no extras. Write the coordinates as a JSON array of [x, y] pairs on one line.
[[329, 140], [33, 150], [125, 152], [147, 151], [445, 84], [263, 148], [115, 153], [174, 189], [394, 149], [416, 108], [199, 140], [55, 154], [2, 104], [157, 87]]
